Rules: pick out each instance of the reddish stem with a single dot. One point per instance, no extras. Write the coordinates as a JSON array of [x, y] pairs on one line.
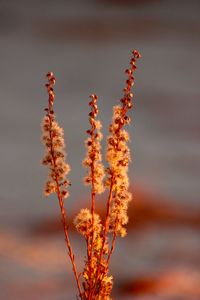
[[60, 198], [92, 210], [106, 227]]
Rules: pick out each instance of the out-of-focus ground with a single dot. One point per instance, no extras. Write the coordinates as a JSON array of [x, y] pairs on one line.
[[87, 44]]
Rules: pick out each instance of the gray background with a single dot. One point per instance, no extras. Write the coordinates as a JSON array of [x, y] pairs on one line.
[[87, 44]]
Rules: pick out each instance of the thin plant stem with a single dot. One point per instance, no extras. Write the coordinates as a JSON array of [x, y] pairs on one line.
[[92, 241], [93, 194], [61, 204], [111, 249], [112, 243], [70, 251], [106, 227]]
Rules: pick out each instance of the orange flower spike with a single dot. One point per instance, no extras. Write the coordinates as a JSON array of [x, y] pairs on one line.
[[53, 139], [93, 150], [118, 154]]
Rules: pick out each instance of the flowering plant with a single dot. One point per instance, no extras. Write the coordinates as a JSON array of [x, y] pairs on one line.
[[94, 282]]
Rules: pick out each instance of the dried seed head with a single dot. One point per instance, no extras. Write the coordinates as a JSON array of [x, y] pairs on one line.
[[136, 54], [49, 75], [93, 154], [53, 139], [118, 155]]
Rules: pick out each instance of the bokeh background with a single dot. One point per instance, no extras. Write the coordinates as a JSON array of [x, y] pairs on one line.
[[87, 43]]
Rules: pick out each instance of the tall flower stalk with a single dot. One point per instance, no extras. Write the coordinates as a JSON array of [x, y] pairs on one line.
[[118, 158], [94, 282], [53, 139]]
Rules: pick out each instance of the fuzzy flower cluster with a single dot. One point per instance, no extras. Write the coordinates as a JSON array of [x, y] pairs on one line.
[[118, 156], [93, 158], [53, 139], [106, 288], [83, 224]]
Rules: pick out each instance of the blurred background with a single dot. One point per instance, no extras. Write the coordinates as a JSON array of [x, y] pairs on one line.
[[87, 44]]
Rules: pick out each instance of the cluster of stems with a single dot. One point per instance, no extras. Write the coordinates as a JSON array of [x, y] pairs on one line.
[[94, 282]]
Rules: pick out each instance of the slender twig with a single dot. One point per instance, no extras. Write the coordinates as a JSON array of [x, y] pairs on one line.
[[60, 198], [70, 251], [106, 227], [111, 250], [92, 115], [112, 243], [93, 194]]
